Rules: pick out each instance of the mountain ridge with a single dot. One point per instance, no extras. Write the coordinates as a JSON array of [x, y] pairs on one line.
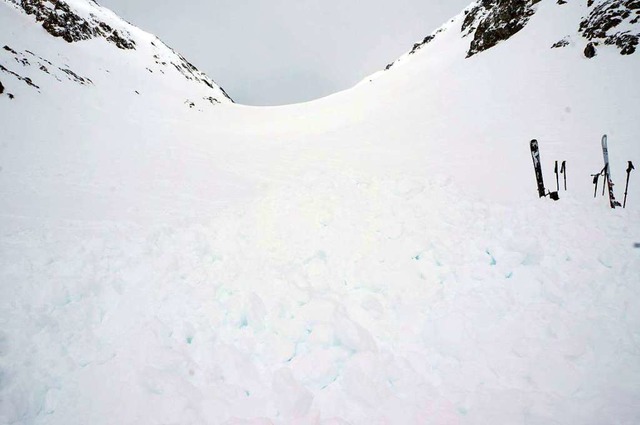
[[487, 23], [85, 21]]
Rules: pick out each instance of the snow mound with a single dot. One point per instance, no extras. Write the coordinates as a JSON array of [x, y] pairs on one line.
[[340, 299]]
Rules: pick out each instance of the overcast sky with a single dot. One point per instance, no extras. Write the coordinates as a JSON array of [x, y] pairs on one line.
[[284, 51]]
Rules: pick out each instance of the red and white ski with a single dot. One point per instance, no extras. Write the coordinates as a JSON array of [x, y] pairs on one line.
[[607, 173]]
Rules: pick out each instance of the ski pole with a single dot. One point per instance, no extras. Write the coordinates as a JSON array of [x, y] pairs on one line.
[[555, 170], [626, 188], [563, 170], [605, 172], [595, 181]]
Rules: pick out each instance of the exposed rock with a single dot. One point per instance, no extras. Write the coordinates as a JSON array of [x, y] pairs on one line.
[[75, 22], [605, 17], [39, 62], [225, 94], [493, 21], [188, 70], [489, 22], [417, 46], [27, 80], [562, 43], [428, 39], [60, 21], [39, 57], [1, 88], [9, 49], [625, 42], [75, 77]]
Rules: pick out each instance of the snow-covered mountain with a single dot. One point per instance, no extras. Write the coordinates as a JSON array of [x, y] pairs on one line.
[[376, 256], [600, 22], [99, 49]]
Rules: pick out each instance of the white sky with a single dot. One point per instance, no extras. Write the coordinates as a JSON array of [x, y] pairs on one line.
[[285, 51]]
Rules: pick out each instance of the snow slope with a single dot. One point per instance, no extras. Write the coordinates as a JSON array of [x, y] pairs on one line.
[[376, 256]]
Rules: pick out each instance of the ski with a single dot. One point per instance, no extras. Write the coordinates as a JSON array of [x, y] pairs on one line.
[[607, 173], [535, 155]]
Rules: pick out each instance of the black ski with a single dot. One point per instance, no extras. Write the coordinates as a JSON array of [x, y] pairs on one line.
[[607, 173], [535, 155]]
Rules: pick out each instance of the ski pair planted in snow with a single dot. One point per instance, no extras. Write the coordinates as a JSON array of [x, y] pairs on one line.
[[606, 172]]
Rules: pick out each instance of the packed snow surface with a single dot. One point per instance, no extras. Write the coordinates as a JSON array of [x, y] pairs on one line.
[[379, 256]]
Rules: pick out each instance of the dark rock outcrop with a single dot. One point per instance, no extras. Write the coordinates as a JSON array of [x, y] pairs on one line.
[[1, 88], [417, 46], [9, 49], [428, 39], [29, 60], [27, 80], [562, 43], [590, 50], [59, 20], [187, 69], [605, 17], [608, 22], [493, 21]]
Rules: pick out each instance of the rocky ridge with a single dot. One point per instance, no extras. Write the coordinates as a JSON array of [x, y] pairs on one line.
[[82, 20], [59, 20], [487, 23], [611, 22]]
